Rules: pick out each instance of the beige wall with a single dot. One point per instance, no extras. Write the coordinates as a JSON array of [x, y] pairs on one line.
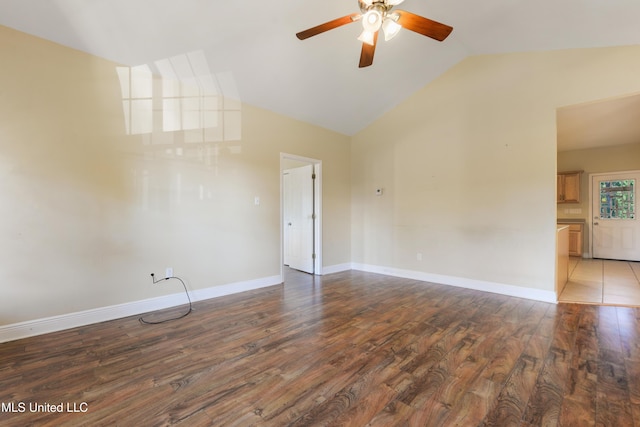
[[594, 160], [468, 166], [88, 212]]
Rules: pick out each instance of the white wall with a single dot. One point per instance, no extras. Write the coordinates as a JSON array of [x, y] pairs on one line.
[[468, 166]]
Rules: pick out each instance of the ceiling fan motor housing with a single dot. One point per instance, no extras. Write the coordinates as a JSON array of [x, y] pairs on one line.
[[380, 5]]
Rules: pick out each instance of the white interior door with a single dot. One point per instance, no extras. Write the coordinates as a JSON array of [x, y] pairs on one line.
[[299, 218], [615, 226]]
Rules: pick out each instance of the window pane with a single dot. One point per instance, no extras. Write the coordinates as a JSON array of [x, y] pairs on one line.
[[617, 199]]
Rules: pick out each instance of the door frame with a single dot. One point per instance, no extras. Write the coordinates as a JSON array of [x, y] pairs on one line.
[[589, 223], [317, 203]]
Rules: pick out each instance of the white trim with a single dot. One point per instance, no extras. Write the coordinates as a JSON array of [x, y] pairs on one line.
[[102, 314], [330, 269], [461, 282], [234, 288]]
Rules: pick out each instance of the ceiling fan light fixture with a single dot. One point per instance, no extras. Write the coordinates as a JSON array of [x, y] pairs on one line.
[[390, 27], [366, 37], [372, 20], [377, 14]]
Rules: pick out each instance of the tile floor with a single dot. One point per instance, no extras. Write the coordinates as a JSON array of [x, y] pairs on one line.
[[606, 282]]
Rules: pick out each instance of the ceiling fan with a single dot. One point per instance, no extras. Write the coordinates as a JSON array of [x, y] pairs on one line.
[[377, 14]]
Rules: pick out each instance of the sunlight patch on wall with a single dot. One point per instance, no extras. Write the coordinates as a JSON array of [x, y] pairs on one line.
[[185, 119], [136, 84], [180, 94]]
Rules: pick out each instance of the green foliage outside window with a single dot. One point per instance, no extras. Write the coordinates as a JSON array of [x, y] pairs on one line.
[[617, 199]]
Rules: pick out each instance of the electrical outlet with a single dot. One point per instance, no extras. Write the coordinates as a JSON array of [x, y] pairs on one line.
[[168, 272], [419, 256]]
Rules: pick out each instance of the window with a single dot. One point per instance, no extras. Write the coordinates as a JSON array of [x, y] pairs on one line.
[[617, 199]]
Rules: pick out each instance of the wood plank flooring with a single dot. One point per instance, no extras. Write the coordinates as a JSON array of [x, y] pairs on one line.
[[347, 349]]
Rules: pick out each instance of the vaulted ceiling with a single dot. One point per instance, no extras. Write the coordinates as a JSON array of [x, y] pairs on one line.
[[318, 80]]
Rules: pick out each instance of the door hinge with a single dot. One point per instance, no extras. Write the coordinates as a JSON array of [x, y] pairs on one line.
[[313, 176], [313, 256]]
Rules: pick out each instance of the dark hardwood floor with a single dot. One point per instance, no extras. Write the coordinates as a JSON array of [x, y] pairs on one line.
[[350, 349]]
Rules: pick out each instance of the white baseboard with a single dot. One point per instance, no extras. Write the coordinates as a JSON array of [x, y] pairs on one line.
[[31, 328], [478, 285], [73, 320], [336, 268], [234, 288]]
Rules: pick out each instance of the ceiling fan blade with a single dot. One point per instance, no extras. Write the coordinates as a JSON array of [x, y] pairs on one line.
[[366, 55], [328, 26], [423, 26]]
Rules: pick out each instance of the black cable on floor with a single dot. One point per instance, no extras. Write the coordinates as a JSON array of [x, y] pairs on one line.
[[148, 322]]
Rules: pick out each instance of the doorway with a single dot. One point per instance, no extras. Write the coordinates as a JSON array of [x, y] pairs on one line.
[[300, 214], [615, 228]]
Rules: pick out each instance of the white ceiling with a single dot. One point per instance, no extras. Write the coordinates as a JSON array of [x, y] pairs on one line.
[[318, 80]]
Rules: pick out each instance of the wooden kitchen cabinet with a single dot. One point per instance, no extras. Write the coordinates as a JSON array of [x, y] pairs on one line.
[[575, 237], [569, 187]]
